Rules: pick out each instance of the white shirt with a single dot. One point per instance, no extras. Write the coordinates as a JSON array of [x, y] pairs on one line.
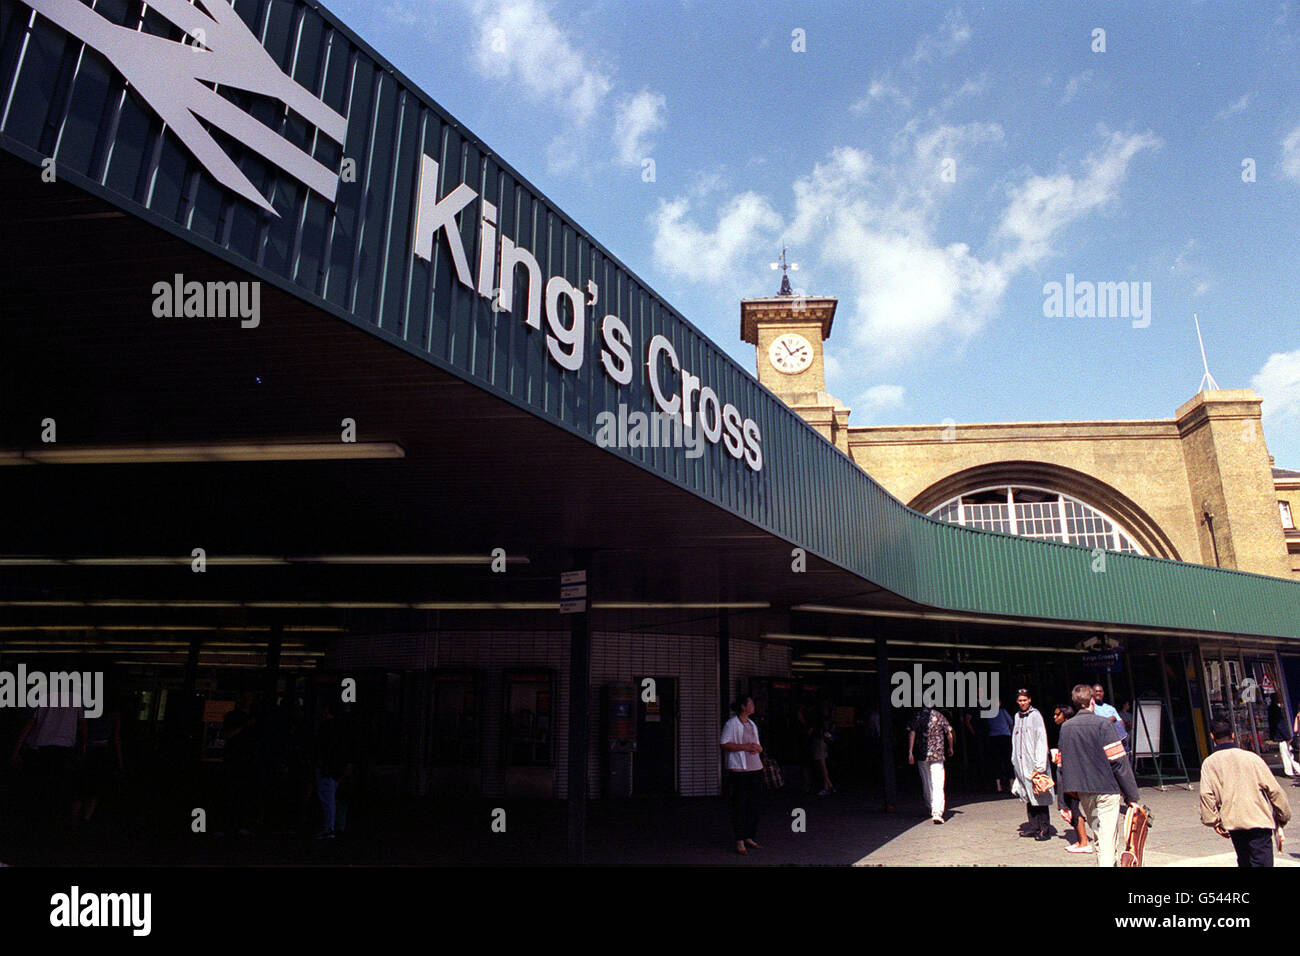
[[736, 731], [54, 727]]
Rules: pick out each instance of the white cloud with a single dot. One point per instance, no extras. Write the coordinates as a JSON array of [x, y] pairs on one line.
[[746, 226], [1074, 84], [1237, 106], [1043, 205], [1291, 154], [874, 224], [519, 41], [403, 12], [1278, 383], [952, 35], [949, 141], [1186, 266], [637, 118], [874, 227], [879, 90], [974, 86], [879, 398]]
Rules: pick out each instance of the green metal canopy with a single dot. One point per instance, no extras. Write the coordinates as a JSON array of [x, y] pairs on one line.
[[365, 256]]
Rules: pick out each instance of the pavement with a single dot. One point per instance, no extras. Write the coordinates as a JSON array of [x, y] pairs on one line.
[[982, 831], [840, 829]]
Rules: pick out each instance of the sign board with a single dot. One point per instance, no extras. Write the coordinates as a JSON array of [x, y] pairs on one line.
[[1146, 727], [573, 592], [1105, 662]]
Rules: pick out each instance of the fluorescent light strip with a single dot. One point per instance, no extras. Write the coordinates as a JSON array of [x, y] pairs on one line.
[[685, 605], [935, 644], [171, 454], [871, 657], [163, 628], [304, 605], [1025, 622], [261, 560], [392, 605]]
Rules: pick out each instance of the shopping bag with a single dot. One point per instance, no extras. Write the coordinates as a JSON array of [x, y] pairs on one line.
[[772, 777], [1288, 762], [1137, 822]]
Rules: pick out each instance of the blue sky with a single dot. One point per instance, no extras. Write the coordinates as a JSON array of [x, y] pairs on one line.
[[933, 166]]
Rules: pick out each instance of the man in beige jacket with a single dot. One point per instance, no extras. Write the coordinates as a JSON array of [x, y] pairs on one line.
[[1241, 798]]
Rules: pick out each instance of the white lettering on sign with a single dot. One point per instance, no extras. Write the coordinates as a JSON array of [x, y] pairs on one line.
[[173, 77], [499, 267]]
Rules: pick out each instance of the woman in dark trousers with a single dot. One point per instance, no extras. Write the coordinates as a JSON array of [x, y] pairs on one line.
[[744, 773]]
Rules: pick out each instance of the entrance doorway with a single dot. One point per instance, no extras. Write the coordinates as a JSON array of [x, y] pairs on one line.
[[654, 771]]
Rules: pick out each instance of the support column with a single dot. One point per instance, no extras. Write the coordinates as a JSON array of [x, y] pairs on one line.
[[1169, 706], [579, 711], [1229, 694], [185, 738], [273, 664], [886, 721], [724, 660]]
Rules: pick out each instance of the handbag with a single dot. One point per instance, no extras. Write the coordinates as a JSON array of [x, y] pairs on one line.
[[772, 777]]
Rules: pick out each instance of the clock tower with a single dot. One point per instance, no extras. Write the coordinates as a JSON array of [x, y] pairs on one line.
[[789, 332]]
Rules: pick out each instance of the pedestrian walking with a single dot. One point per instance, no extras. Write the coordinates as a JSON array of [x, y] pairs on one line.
[[333, 766], [1241, 798], [1277, 724], [1068, 805], [820, 736], [929, 738], [744, 773], [1029, 757], [49, 748], [1107, 712], [1095, 770], [999, 733]]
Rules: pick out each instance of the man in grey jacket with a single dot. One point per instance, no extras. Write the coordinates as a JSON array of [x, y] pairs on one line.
[[1095, 768]]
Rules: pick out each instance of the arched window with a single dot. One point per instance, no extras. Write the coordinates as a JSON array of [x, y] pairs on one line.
[[1036, 513]]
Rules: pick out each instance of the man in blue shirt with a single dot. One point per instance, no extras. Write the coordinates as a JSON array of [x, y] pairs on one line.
[[1106, 711]]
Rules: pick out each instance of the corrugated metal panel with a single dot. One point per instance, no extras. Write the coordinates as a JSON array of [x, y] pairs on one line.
[[354, 259]]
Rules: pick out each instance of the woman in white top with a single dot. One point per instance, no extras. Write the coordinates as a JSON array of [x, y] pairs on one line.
[[744, 777]]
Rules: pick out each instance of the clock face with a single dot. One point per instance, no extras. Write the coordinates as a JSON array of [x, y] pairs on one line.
[[790, 353]]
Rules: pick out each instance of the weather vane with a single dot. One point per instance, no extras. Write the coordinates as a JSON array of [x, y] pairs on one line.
[[785, 268]]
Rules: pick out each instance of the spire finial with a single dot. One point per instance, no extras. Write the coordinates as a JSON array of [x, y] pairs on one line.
[[785, 266], [1207, 380]]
